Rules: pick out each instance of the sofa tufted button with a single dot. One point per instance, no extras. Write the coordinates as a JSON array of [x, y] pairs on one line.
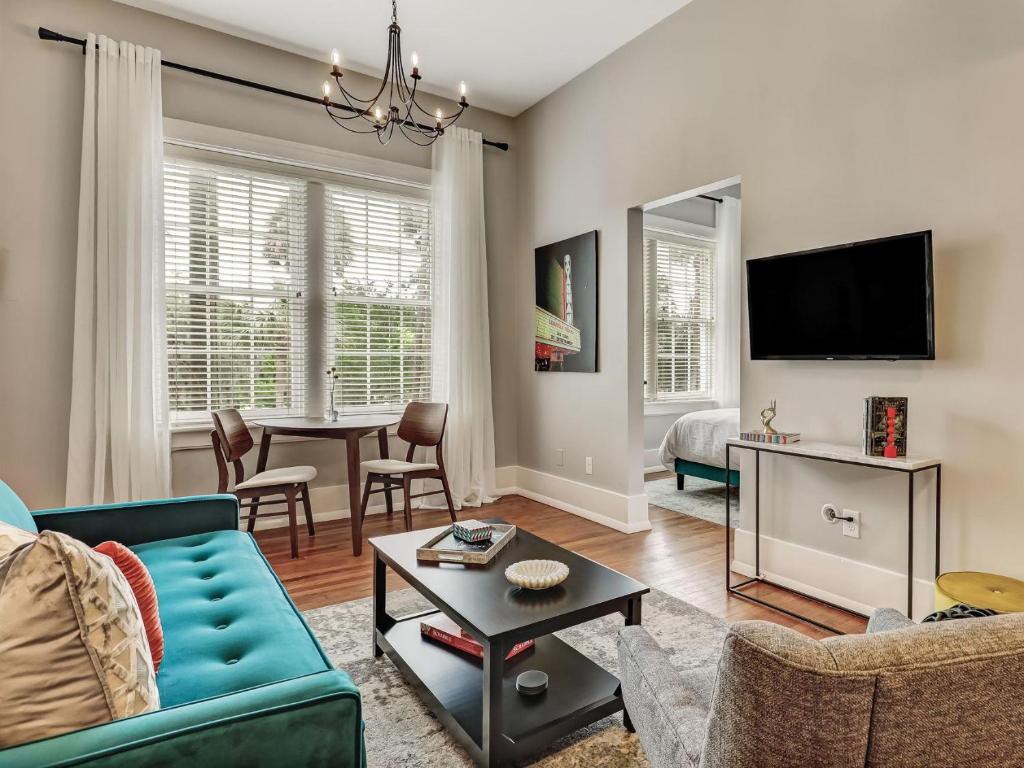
[[221, 626], [231, 661], [216, 599], [207, 577]]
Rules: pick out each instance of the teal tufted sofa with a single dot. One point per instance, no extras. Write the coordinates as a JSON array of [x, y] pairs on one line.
[[243, 681]]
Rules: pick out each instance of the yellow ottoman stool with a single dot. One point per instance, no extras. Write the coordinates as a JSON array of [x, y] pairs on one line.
[[981, 590]]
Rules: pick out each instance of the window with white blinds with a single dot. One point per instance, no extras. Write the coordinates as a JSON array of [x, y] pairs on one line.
[[679, 316], [235, 250], [377, 257]]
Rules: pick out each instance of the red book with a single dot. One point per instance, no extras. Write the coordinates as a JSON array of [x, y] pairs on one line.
[[439, 627]]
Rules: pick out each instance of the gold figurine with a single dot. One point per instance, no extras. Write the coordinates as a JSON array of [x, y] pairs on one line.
[[766, 419]]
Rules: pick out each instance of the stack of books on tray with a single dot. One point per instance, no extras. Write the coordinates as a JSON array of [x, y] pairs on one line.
[[439, 627], [779, 438]]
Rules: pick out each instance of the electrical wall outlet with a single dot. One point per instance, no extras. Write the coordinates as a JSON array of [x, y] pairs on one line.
[[590, 465], [851, 528], [560, 457]]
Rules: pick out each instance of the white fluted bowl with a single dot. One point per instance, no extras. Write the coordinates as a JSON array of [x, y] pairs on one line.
[[537, 574]]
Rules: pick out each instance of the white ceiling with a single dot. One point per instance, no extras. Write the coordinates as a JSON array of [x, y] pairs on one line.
[[511, 53]]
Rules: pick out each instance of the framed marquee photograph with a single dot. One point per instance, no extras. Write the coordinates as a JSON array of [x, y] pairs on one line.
[[565, 316]]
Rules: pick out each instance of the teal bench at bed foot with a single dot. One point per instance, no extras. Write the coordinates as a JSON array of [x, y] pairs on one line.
[[715, 474]]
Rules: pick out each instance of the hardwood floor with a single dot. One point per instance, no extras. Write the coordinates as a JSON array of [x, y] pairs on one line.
[[680, 555]]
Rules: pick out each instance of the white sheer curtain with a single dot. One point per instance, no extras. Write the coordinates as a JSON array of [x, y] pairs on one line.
[[117, 437], [726, 383], [461, 335]]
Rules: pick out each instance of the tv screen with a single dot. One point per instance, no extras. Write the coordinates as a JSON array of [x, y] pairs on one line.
[[860, 301]]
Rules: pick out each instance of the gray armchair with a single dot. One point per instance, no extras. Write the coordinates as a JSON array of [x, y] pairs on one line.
[[944, 694]]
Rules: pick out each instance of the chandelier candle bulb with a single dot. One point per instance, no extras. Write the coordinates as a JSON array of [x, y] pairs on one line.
[[335, 63], [415, 65], [327, 93]]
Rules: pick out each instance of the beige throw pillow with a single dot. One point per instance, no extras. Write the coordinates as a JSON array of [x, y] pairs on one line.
[[73, 648], [12, 537]]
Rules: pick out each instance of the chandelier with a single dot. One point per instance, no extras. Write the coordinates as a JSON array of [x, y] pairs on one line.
[[402, 111]]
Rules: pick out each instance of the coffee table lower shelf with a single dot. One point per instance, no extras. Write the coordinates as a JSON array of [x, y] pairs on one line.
[[451, 683]]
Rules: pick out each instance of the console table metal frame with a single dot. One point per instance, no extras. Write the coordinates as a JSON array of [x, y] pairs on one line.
[[758, 449]]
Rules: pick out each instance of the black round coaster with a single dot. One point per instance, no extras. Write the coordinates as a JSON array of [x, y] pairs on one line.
[[532, 682]]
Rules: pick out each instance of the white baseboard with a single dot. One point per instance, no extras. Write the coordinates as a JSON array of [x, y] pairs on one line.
[[627, 514], [329, 502], [505, 479], [848, 583], [652, 461]]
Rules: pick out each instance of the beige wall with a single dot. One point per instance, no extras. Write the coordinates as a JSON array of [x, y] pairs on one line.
[[846, 121], [41, 103]]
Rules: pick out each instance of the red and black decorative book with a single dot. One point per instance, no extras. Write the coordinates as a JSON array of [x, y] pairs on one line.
[[442, 629], [885, 426]]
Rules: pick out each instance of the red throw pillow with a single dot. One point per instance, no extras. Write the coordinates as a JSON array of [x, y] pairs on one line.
[[145, 593]]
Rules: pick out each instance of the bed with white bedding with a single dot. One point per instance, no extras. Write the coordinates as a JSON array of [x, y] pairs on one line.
[[695, 445]]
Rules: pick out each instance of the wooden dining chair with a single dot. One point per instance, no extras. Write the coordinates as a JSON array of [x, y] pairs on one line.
[[421, 424], [231, 441]]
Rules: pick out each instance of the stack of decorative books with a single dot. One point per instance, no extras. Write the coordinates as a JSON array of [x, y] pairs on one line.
[[472, 531], [779, 438], [439, 627]]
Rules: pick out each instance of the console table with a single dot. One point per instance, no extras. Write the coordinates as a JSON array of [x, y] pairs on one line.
[[836, 454]]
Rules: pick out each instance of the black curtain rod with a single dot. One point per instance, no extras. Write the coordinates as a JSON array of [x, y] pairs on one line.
[[712, 199], [49, 34]]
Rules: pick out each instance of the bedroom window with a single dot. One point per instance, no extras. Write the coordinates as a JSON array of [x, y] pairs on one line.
[[274, 272], [679, 316]]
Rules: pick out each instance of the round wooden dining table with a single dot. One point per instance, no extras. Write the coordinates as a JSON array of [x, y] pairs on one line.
[[347, 428]]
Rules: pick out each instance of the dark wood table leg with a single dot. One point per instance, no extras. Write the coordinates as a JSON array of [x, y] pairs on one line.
[[261, 461], [380, 591], [382, 442], [354, 491], [494, 670], [633, 616]]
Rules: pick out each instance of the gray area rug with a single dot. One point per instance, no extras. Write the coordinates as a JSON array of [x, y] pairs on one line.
[[701, 498], [401, 731]]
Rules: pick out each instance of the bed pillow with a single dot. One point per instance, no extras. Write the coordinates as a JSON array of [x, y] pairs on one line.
[[73, 648], [145, 593]]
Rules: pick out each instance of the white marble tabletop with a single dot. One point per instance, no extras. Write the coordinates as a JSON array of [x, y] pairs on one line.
[[838, 452]]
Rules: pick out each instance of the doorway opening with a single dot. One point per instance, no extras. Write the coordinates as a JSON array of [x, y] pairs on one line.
[[691, 350]]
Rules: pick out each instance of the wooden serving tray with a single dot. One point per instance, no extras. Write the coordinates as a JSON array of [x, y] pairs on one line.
[[445, 548]]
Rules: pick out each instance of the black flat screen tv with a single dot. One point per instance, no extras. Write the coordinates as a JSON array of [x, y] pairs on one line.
[[870, 300]]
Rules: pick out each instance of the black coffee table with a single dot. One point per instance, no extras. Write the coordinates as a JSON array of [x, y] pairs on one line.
[[477, 700]]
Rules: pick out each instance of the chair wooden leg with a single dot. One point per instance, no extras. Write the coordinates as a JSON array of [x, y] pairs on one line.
[[366, 496], [293, 526], [448, 496], [250, 523], [307, 509], [406, 493]]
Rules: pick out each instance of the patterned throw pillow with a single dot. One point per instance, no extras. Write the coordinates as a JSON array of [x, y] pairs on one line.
[[73, 648], [12, 537], [959, 611], [145, 593]]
